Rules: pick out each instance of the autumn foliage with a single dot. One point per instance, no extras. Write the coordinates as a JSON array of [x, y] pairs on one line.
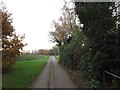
[[11, 43], [65, 26]]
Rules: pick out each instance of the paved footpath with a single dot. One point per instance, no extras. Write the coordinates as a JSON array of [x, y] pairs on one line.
[[53, 76]]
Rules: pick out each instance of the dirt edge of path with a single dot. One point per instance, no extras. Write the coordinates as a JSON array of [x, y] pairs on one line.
[[74, 76]]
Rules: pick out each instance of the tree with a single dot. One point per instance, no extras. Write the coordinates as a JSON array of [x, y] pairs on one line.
[[11, 43], [66, 25], [54, 50]]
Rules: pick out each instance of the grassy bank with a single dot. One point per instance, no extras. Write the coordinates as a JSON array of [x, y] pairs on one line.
[[25, 72], [57, 57], [32, 57]]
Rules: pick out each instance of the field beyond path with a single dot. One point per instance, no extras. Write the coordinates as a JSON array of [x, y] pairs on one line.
[[53, 76], [26, 69]]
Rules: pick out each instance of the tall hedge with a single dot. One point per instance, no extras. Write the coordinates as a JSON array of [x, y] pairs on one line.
[[95, 48]]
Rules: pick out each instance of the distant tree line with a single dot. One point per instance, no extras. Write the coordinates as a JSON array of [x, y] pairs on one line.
[[53, 51]]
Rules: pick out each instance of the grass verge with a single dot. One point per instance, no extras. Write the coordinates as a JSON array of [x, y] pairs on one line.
[[23, 75], [57, 57]]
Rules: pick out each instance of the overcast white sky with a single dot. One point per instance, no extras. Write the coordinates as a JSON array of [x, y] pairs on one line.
[[33, 18]]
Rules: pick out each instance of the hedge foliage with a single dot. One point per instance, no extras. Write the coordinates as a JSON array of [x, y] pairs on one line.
[[96, 47]]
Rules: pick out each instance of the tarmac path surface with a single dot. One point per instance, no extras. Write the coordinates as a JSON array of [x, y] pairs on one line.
[[53, 76]]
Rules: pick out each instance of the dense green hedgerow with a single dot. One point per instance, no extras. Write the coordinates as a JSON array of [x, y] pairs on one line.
[[96, 47]]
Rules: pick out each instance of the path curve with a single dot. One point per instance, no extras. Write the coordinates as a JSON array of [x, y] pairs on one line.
[[53, 76]]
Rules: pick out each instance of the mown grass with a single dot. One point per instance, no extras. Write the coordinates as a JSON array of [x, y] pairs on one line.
[[23, 75], [44, 58], [31, 57], [57, 57]]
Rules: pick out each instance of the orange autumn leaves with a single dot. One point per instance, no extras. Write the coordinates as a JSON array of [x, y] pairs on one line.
[[65, 26], [11, 43]]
